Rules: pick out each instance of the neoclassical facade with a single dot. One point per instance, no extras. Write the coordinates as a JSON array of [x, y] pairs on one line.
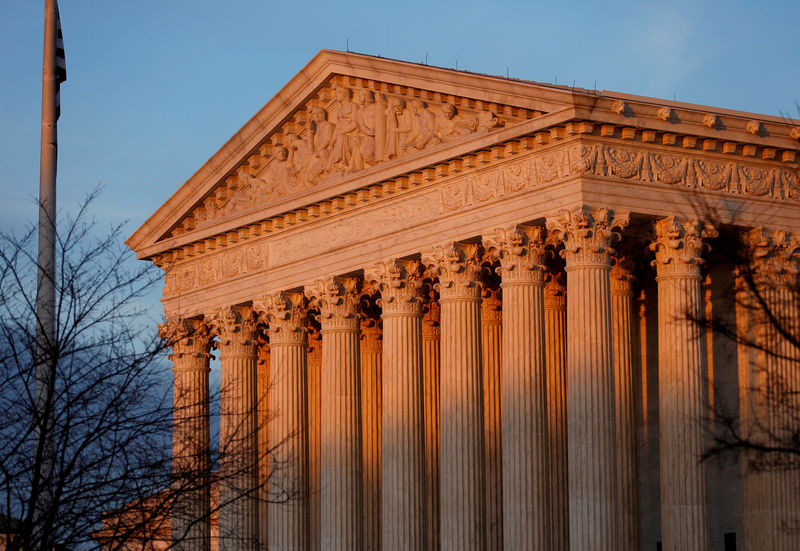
[[463, 312]]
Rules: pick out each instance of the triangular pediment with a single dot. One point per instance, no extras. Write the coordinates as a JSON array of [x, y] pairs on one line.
[[342, 117]]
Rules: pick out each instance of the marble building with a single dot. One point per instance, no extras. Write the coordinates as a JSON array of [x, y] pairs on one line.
[[458, 311]]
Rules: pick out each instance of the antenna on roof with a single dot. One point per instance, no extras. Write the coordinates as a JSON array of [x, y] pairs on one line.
[[348, 43], [556, 80], [507, 72], [426, 58], [456, 65], [595, 85], [573, 84]]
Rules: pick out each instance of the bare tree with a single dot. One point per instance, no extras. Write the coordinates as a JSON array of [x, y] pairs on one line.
[[108, 413], [764, 427]]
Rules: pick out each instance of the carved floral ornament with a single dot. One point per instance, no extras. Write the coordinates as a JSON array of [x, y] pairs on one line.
[[359, 128], [555, 291], [337, 299], [772, 256], [400, 285], [236, 328], [458, 267], [679, 246], [587, 235], [285, 313], [658, 167], [521, 252], [189, 338]]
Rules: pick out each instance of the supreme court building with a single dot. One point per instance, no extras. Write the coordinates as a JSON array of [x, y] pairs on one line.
[[462, 312]]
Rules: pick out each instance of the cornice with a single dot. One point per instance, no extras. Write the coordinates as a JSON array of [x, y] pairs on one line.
[[610, 141]]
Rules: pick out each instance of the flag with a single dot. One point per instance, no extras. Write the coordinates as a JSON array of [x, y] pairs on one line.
[[61, 63]]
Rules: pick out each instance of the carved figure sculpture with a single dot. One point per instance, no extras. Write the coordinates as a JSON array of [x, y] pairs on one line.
[[450, 124], [397, 126], [345, 155], [423, 124], [320, 134], [365, 119]]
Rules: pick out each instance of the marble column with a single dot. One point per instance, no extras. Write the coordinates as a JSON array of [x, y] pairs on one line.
[[403, 455], [587, 237], [263, 409], [314, 368], [491, 338], [555, 333], [288, 435], [461, 474], [431, 337], [371, 357], [341, 512], [624, 387], [238, 464], [769, 387], [682, 371], [191, 514], [526, 485]]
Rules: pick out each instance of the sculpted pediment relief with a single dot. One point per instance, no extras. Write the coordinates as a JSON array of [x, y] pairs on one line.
[[350, 125]]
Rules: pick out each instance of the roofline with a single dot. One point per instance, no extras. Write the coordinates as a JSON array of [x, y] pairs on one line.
[[328, 62]]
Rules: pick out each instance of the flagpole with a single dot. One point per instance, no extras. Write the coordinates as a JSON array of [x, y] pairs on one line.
[[45, 361]]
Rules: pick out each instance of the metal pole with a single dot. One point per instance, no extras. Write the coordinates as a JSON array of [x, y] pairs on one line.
[[46, 358]]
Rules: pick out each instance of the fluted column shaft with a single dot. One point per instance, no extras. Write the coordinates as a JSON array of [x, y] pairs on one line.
[[587, 238], [769, 387], [462, 488], [238, 469], [263, 407], [627, 481], [555, 316], [526, 485], [191, 514], [431, 337], [491, 342], [682, 371], [371, 357], [341, 523], [402, 428], [288, 436], [314, 368]]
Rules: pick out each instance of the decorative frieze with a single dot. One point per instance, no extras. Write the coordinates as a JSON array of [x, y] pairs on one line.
[[211, 269]]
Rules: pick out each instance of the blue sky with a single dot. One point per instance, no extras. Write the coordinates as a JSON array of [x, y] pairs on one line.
[[154, 88]]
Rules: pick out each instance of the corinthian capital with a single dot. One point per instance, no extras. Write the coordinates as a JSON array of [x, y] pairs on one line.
[[491, 305], [189, 338], [400, 285], [458, 267], [236, 328], [622, 275], [555, 292], [772, 256], [285, 312], [587, 235], [431, 319], [679, 246], [337, 299], [521, 251]]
